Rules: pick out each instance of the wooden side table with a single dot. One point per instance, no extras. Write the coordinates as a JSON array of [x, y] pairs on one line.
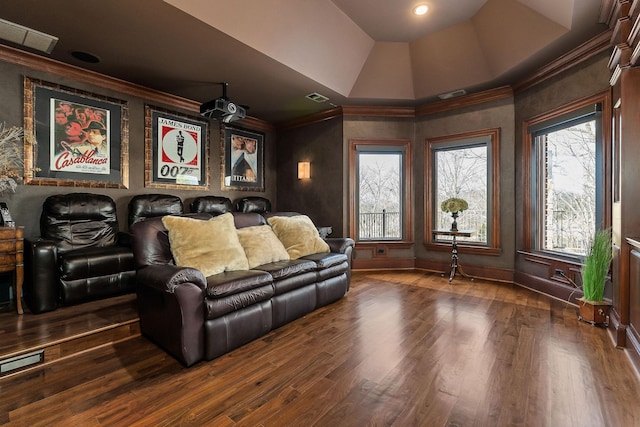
[[12, 259], [455, 264]]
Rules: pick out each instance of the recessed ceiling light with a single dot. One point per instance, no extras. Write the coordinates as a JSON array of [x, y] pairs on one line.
[[421, 9], [85, 57]]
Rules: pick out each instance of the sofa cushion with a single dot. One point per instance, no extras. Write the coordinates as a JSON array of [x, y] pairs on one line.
[[233, 282], [261, 245], [326, 260], [216, 307], [210, 246], [82, 264], [282, 269], [298, 235]]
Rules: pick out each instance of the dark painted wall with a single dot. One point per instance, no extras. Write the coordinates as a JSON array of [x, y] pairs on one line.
[[588, 78], [325, 144], [327, 194], [321, 196], [25, 204], [497, 114]]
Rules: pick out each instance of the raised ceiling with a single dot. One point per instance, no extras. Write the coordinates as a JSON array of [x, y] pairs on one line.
[[273, 53]]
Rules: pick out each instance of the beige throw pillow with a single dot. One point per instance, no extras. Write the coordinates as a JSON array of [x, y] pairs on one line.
[[298, 235], [261, 245], [210, 246]]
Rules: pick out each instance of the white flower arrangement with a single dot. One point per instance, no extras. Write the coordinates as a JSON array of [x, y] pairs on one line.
[[11, 157], [454, 204]]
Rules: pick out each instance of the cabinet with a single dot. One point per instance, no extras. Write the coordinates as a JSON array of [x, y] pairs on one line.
[[625, 82], [11, 259]]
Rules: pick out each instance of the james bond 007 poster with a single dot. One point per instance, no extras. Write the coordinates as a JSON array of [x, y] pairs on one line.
[[178, 150]]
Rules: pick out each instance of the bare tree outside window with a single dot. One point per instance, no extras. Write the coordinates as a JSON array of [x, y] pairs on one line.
[[380, 196], [569, 182], [462, 173]]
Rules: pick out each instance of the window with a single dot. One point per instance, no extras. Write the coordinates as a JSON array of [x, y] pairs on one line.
[[567, 182], [464, 166], [381, 186]]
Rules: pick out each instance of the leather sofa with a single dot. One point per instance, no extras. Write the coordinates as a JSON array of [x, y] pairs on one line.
[[80, 254], [195, 318]]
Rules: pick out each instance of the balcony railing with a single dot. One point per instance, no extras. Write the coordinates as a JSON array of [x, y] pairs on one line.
[[380, 226], [386, 225], [471, 219]]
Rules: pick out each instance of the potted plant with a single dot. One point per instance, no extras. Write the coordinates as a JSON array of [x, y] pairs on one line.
[[593, 308], [454, 205]]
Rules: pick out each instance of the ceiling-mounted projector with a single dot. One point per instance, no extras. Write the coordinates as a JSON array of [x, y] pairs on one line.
[[222, 108]]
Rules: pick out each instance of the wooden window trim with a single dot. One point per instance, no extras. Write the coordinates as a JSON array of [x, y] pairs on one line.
[[527, 157], [493, 247], [354, 144]]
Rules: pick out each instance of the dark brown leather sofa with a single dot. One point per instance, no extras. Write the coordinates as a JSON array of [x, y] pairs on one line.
[[79, 256], [194, 317]]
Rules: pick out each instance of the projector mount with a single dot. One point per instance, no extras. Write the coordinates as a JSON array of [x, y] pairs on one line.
[[222, 108]]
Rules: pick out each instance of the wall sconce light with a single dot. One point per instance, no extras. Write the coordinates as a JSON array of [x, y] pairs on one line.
[[304, 170]]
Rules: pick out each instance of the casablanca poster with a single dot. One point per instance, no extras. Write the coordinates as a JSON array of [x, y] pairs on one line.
[[80, 138]]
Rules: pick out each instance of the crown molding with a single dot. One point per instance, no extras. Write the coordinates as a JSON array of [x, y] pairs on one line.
[[51, 66], [585, 51], [378, 111], [465, 101]]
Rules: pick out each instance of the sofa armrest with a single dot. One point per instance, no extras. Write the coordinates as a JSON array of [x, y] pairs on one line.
[[171, 306], [167, 277], [41, 286], [342, 245]]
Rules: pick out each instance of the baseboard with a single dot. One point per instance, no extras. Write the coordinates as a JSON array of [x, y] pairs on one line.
[[486, 273], [633, 347], [383, 263], [388, 263], [617, 330], [552, 288]]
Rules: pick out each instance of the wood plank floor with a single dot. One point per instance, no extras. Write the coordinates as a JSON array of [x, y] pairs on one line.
[[401, 349], [20, 334]]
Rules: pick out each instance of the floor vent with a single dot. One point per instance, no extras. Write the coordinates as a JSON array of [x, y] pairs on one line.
[[24, 360]]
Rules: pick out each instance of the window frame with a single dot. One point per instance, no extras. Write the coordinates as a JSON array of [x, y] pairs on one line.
[[357, 146], [433, 145], [531, 232]]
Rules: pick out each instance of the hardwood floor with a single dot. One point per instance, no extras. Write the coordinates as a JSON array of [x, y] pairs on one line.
[[402, 349]]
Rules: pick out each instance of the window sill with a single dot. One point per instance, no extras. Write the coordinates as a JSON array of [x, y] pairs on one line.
[[535, 255], [393, 244]]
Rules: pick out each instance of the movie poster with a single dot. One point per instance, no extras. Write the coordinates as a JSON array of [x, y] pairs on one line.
[[179, 145], [79, 142]]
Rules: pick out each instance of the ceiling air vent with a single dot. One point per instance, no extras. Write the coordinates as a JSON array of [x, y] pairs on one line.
[[316, 97], [26, 36], [453, 94]]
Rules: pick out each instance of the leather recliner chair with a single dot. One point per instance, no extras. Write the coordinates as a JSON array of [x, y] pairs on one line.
[[145, 206], [255, 204], [78, 256], [214, 205]]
